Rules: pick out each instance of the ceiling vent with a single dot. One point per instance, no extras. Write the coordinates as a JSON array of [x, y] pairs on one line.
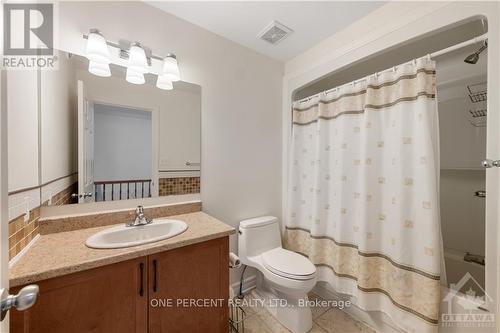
[[275, 32]]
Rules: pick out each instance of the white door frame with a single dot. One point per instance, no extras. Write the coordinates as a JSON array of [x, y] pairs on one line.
[[85, 109], [4, 197], [155, 132]]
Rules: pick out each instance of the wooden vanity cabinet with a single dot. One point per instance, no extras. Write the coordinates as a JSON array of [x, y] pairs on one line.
[[119, 298], [104, 299], [199, 272]]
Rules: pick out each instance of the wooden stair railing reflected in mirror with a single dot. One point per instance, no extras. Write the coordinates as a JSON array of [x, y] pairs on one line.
[[110, 190]]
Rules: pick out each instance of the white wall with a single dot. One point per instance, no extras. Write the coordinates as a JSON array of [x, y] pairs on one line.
[[180, 131], [122, 143], [462, 146], [22, 109], [58, 120], [240, 107], [462, 214]]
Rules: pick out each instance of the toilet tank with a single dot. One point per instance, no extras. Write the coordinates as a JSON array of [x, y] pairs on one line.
[[258, 235]]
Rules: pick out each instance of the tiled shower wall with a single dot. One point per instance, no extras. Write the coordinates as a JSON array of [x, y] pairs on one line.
[[176, 186], [22, 232]]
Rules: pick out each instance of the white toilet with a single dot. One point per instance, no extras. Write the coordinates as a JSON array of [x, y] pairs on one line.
[[283, 275]]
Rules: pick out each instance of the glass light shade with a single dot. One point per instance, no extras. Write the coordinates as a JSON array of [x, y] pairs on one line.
[[134, 77], [164, 83], [171, 69], [99, 69], [137, 61], [97, 49]]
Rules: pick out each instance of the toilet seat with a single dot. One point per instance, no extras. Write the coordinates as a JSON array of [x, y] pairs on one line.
[[288, 264]]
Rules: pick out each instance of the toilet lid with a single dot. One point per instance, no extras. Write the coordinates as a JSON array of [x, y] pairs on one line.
[[288, 264]]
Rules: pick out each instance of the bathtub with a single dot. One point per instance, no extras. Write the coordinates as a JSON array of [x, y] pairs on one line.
[[456, 268], [453, 303], [452, 307]]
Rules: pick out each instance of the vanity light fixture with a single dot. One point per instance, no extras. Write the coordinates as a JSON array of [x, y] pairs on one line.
[[97, 49], [171, 68], [137, 61], [164, 83], [99, 69], [134, 77]]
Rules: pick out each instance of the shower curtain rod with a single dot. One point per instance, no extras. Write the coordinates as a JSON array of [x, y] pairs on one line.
[[452, 48]]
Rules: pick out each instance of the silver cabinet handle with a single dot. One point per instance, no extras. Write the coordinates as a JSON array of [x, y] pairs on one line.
[[24, 299], [490, 163]]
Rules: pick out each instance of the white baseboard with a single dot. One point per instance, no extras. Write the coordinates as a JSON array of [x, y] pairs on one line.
[[376, 320], [248, 284]]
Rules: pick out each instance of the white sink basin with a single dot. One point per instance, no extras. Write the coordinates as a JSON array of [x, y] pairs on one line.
[[122, 236]]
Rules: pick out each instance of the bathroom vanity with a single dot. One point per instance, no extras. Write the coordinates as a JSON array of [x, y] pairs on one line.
[[146, 288]]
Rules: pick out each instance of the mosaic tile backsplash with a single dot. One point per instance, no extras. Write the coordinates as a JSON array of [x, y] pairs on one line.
[[64, 197], [22, 232], [176, 186]]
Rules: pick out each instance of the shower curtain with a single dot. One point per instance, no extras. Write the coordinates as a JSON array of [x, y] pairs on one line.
[[363, 195]]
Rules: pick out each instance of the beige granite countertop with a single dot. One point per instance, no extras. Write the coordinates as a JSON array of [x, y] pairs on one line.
[[62, 253]]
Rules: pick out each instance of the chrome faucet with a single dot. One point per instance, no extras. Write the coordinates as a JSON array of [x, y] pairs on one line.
[[140, 218]]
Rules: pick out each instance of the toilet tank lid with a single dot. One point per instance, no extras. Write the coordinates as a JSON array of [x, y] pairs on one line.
[[258, 221]]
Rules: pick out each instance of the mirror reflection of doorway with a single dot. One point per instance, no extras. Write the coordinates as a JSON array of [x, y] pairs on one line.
[[123, 152]]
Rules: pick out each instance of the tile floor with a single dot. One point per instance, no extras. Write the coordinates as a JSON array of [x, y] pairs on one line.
[[325, 320]]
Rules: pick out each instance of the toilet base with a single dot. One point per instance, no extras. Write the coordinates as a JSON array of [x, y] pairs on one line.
[[289, 310]]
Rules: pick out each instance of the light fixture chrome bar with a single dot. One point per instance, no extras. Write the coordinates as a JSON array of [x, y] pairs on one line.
[[124, 53]]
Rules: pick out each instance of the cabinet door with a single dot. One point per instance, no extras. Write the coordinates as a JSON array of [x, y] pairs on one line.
[[197, 272], [107, 299]]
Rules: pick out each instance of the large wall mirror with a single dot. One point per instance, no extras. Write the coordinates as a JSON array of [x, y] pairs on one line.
[[75, 137]]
